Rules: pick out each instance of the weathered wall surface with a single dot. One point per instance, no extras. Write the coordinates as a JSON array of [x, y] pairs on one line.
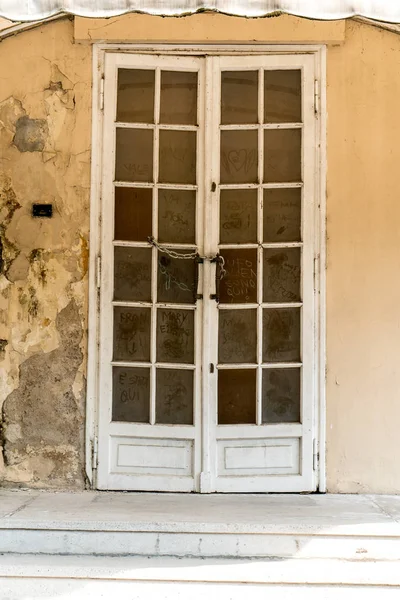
[[45, 114], [363, 271]]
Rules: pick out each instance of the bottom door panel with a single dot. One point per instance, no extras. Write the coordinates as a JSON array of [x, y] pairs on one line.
[[143, 464], [258, 457], [139, 456]]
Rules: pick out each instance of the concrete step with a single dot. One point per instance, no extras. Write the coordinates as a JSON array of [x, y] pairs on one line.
[[126, 590], [76, 577], [355, 528], [127, 540]]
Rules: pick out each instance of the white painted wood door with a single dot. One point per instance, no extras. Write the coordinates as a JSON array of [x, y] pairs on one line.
[[207, 332]]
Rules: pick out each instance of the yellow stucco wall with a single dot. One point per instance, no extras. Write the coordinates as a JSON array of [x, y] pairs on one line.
[[363, 270], [363, 225]]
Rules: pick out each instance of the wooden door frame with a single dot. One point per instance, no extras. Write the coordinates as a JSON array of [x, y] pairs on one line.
[[92, 402]]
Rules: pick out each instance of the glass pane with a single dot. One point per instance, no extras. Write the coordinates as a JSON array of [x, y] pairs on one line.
[[282, 275], [133, 214], [176, 279], [131, 395], [177, 157], [239, 283], [178, 98], [174, 397], [132, 274], [282, 99], [282, 155], [175, 335], [281, 334], [281, 396], [238, 216], [131, 333], [134, 155], [282, 215], [135, 101], [236, 396], [239, 156], [177, 216], [237, 336], [239, 97]]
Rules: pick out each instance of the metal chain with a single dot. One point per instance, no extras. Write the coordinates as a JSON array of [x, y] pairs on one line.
[[173, 253], [220, 273], [221, 264], [171, 278], [189, 255]]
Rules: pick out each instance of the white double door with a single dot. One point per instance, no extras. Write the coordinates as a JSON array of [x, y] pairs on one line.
[[207, 292]]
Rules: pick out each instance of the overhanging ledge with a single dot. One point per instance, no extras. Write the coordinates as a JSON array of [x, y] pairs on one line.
[[209, 27]]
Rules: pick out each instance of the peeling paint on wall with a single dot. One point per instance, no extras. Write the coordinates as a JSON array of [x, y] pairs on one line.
[[8, 206], [42, 414], [45, 104], [30, 134]]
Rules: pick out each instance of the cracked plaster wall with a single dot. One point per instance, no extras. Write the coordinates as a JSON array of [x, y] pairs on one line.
[[45, 123]]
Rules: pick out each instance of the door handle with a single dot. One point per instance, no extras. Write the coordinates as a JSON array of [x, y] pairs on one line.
[[197, 261], [220, 273]]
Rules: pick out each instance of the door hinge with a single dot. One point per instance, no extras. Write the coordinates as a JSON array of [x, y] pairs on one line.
[[315, 455], [317, 97], [94, 453], [101, 100], [98, 271]]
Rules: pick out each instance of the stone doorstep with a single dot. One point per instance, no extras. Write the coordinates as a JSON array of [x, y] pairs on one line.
[[285, 526]]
